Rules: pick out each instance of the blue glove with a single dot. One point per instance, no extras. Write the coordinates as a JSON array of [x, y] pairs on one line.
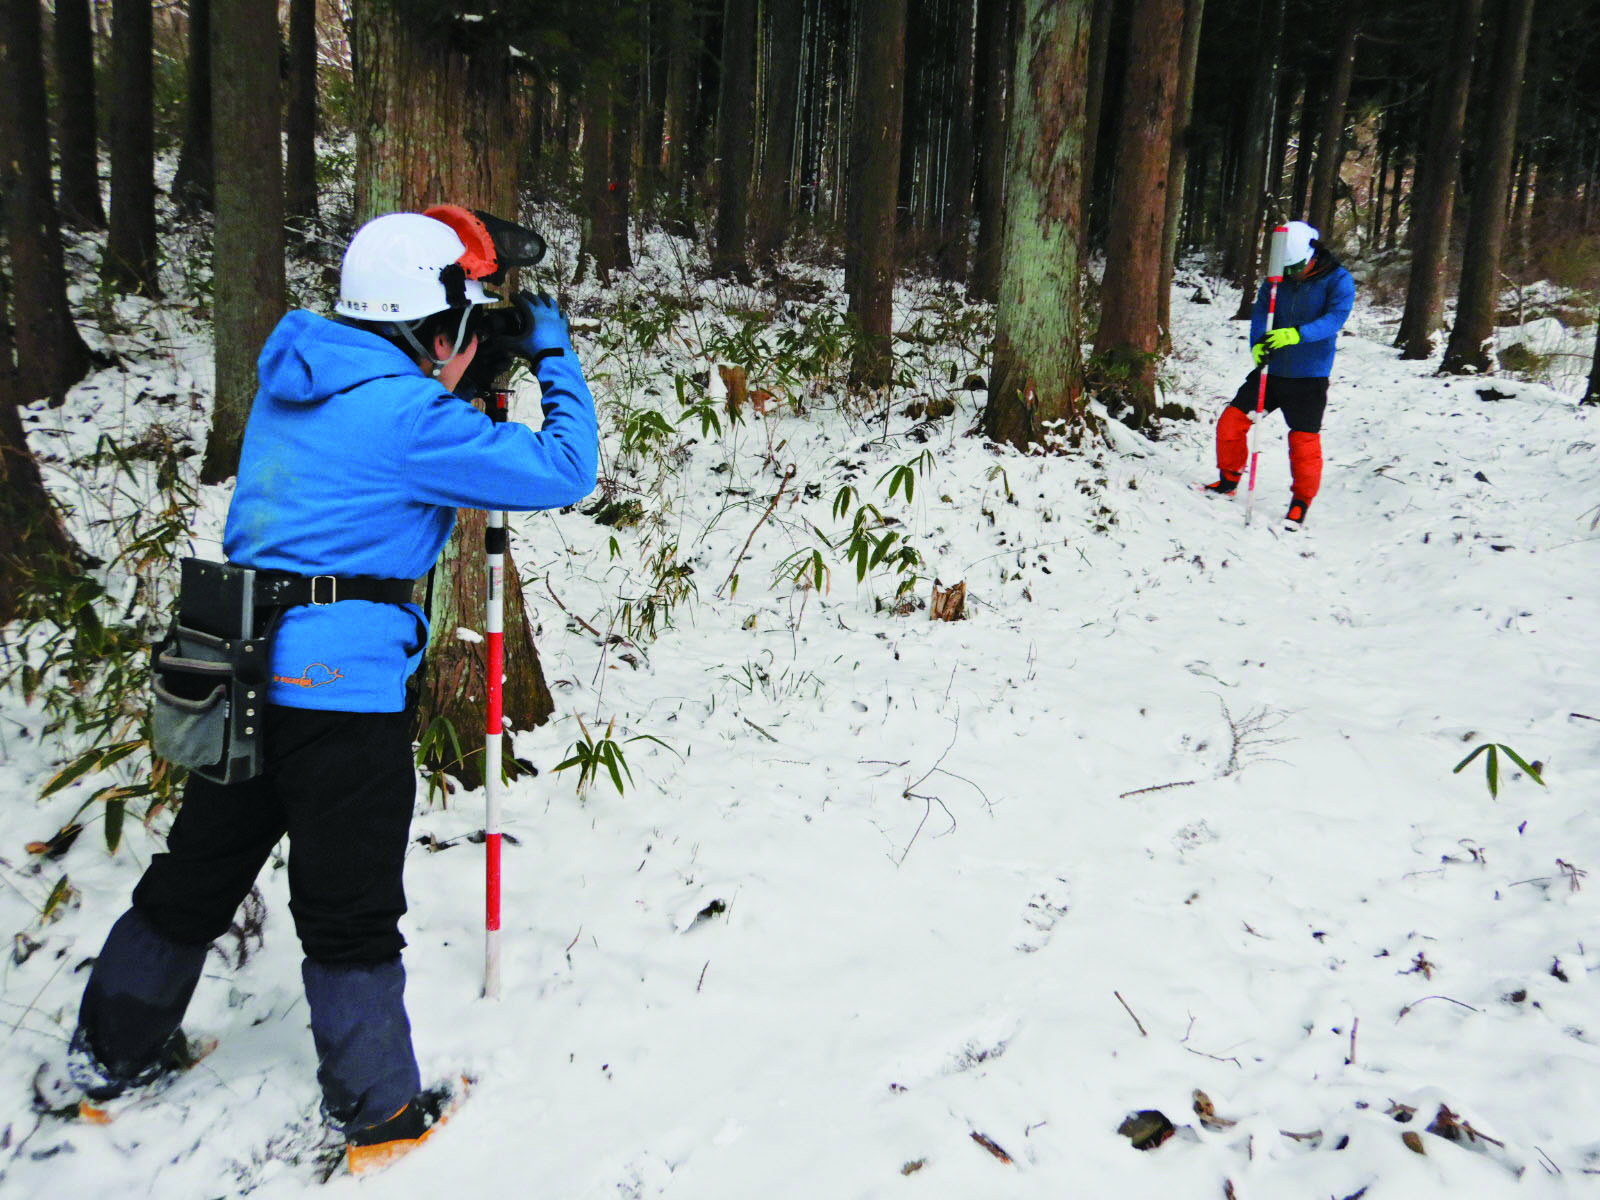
[[545, 328]]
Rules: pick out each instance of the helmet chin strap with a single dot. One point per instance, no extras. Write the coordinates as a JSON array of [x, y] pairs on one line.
[[408, 332]]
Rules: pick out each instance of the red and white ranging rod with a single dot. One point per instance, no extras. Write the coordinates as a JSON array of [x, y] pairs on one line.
[[494, 545], [1275, 255]]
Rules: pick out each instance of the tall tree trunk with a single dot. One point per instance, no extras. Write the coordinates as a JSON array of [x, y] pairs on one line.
[[683, 52], [1103, 16], [130, 257], [249, 294], [1310, 110], [599, 235], [994, 59], [1037, 372], [194, 185], [1433, 192], [1330, 140], [773, 203], [436, 124], [300, 117], [1178, 161], [736, 129], [956, 216], [1471, 345], [619, 186], [874, 167], [78, 137], [51, 356], [1592, 396], [1245, 232], [1130, 331]]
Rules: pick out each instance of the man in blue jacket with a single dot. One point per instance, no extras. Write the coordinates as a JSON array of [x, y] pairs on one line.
[[1314, 300], [356, 456]]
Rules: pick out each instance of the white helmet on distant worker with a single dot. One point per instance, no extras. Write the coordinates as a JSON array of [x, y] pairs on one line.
[[397, 268]]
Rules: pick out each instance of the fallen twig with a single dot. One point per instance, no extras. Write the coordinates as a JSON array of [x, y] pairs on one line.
[[1160, 787], [1414, 1003], [1355, 1023], [771, 504], [569, 612], [1136, 1021], [989, 1144], [758, 729]]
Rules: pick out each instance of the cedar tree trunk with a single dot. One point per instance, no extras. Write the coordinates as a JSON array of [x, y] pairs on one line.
[[873, 185], [1037, 373], [1470, 348], [194, 185], [736, 121], [773, 201], [50, 354], [300, 117], [1330, 139], [994, 60], [130, 257], [434, 124], [956, 218], [248, 284], [1434, 189], [1178, 163], [1130, 333], [77, 135]]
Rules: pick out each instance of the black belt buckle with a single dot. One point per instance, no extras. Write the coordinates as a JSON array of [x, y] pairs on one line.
[[332, 590]]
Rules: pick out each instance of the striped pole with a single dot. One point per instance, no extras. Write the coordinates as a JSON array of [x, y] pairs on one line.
[[1280, 244], [494, 545]]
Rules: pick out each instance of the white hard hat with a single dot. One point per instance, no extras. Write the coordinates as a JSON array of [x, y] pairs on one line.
[[1297, 247], [395, 269]]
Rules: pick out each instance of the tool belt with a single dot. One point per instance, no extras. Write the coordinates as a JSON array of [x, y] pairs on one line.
[[209, 675]]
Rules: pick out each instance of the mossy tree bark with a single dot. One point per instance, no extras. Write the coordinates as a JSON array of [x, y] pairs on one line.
[[249, 286], [436, 123], [1037, 373], [1130, 333]]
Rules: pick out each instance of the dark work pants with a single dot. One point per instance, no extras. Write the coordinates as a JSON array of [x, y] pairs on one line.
[[1303, 401], [342, 787]]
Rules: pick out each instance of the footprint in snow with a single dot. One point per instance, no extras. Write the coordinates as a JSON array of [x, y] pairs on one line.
[[1044, 911]]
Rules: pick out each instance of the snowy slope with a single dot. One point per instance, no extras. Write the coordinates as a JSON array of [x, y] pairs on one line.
[[1200, 766]]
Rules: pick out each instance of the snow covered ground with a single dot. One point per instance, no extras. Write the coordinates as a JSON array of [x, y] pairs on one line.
[[912, 908]]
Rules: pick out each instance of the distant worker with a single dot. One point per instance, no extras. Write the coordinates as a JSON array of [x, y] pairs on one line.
[[1314, 300]]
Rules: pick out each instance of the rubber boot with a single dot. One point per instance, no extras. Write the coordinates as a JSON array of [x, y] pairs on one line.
[[365, 1063]]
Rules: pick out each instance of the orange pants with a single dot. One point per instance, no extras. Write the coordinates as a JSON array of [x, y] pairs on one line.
[[1302, 401]]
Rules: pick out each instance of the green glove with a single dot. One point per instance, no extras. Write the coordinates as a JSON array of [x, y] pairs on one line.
[[1277, 339], [1259, 352]]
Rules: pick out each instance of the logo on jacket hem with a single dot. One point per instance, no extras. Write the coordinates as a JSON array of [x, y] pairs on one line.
[[315, 675]]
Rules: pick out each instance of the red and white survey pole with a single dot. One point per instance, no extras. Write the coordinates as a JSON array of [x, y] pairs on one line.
[[494, 545], [1275, 255]]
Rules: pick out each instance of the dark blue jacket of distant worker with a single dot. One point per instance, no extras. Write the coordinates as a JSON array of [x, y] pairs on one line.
[[354, 463], [1317, 304]]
